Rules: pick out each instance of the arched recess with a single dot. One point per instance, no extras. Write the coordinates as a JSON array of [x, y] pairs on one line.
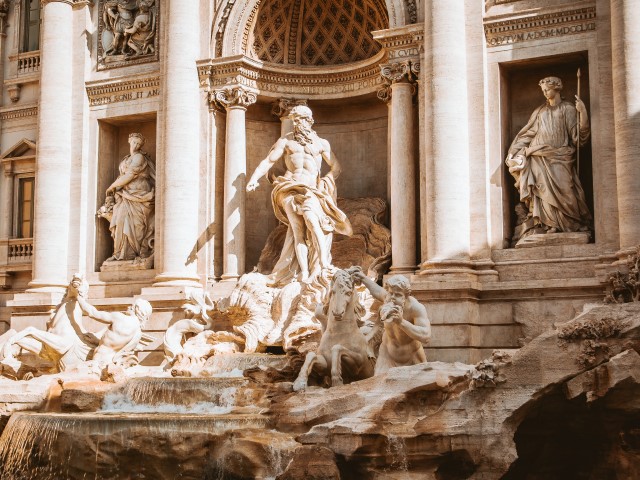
[[235, 20]]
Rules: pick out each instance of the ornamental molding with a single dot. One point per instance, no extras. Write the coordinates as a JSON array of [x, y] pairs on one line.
[[276, 81], [539, 26], [402, 43], [19, 112], [235, 96], [116, 91], [406, 70]]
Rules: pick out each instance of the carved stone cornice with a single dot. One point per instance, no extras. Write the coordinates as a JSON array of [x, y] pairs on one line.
[[14, 113], [233, 96], [539, 26], [402, 43], [282, 107], [276, 81], [122, 90]]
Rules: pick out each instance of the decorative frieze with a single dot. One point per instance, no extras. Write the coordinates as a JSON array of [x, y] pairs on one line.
[[537, 27], [274, 81], [127, 32], [20, 112], [402, 43], [104, 93]]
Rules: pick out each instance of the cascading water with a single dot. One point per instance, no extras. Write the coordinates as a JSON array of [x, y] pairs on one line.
[[151, 428]]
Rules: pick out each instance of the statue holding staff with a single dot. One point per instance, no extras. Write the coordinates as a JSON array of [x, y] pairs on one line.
[[542, 160]]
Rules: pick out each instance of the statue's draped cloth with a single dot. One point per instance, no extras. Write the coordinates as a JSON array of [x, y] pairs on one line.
[[132, 223], [548, 184], [319, 201]]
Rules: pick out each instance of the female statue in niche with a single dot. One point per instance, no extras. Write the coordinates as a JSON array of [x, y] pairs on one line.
[[542, 160], [129, 205]]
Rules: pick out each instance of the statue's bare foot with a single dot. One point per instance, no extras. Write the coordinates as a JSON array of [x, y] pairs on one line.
[[336, 380], [552, 230], [300, 384]]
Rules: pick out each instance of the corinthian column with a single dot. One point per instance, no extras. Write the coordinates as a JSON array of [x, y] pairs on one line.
[[447, 188], [235, 100], [53, 168], [402, 166], [180, 162], [625, 16]]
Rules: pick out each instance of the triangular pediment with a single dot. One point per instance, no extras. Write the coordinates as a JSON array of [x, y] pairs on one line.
[[24, 148]]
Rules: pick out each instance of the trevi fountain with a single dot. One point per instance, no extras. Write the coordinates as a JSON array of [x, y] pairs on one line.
[[320, 239]]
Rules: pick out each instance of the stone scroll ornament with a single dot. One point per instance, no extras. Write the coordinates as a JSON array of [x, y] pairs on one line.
[[128, 31], [129, 207], [542, 160]]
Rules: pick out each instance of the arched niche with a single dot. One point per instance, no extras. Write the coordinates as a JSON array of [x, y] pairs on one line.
[[235, 20]]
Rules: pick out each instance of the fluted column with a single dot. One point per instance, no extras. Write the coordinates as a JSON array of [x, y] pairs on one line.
[[446, 141], [180, 162], [402, 166], [235, 100], [625, 17], [53, 168]]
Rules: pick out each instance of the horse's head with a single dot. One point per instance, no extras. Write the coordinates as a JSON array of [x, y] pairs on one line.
[[341, 294]]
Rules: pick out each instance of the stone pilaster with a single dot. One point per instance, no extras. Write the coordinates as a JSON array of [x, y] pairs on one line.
[[6, 177], [625, 18], [235, 99], [53, 168], [447, 188], [402, 165], [179, 167], [282, 108]]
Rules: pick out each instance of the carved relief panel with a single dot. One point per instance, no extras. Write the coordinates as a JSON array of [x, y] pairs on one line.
[[127, 32]]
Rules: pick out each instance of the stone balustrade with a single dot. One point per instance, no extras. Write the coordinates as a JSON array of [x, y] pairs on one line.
[[20, 250], [28, 62]]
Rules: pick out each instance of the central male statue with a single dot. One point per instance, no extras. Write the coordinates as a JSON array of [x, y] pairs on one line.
[[303, 200]]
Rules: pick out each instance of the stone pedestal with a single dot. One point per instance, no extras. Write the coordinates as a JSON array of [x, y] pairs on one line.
[[179, 165], [53, 168], [235, 100]]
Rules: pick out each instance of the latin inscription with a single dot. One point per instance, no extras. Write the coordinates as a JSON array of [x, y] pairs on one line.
[[497, 40], [107, 99]]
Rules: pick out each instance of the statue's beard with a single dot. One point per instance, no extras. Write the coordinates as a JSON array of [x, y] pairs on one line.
[[303, 135]]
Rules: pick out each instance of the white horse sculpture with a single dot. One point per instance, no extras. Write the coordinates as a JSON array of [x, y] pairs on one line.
[[65, 342], [343, 351]]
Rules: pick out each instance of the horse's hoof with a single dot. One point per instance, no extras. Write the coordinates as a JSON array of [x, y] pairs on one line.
[[299, 385]]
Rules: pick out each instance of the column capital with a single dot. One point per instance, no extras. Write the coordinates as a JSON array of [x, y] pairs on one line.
[[405, 71], [68, 2], [235, 96], [282, 107], [384, 93]]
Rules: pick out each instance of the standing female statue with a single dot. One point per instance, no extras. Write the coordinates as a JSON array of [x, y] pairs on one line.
[[129, 205]]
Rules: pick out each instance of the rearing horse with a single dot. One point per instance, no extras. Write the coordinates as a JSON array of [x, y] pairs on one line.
[[343, 347]]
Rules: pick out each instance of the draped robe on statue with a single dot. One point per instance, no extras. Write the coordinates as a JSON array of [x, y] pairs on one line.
[[319, 201], [132, 223], [548, 183]]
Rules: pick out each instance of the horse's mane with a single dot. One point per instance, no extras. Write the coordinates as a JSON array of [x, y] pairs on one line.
[[346, 278]]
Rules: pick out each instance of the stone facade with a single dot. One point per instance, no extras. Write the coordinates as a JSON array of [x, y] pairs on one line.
[[421, 112]]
